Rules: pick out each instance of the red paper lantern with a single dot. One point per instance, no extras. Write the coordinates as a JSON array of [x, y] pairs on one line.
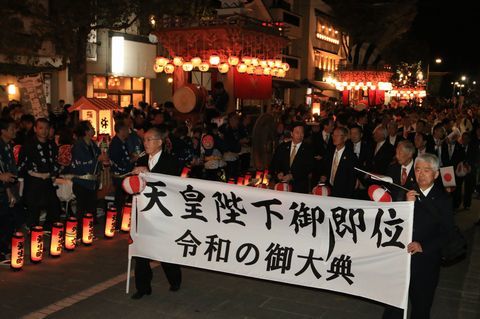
[[36, 244], [240, 180], [231, 181], [247, 179], [110, 222], [379, 194], [321, 190], [134, 184], [87, 229], [56, 243], [258, 175], [265, 177], [18, 251], [284, 187], [71, 233], [126, 217]]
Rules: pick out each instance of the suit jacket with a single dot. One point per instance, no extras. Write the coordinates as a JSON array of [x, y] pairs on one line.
[[379, 162], [167, 164], [395, 172], [365, 152], [346, 176], [301, 168], [457, 156], [398, 138]]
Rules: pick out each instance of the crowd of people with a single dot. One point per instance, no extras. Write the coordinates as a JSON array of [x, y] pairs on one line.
[[403, 143]]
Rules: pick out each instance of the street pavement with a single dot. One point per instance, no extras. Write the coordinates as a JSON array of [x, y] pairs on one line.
[[90, 283]]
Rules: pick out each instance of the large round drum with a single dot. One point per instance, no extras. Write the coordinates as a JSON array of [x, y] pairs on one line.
[[189, 98]]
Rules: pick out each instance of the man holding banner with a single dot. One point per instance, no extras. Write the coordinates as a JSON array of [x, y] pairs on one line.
[[433, 220], [156, 161]]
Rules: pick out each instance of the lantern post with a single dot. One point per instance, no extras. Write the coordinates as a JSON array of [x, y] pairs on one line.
[[36, 244], [18, 251]]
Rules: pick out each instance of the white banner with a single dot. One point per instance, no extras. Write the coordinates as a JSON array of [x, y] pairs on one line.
[[350, 246]]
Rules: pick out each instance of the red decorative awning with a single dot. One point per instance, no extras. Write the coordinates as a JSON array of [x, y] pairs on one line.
[[94, 103], [363, 76]]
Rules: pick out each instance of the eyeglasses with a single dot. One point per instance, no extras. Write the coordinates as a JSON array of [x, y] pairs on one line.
[[151, 139]]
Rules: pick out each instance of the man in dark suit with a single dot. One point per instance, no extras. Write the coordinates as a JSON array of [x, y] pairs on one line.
[[321, 142], [471, 157], [402, 171], [393, 136], [292, 161], [341, 163], [156, 161], [432, 222], [452, 155], [383, 151]]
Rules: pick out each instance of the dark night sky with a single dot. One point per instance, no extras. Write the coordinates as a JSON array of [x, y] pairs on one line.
[[453, 31]]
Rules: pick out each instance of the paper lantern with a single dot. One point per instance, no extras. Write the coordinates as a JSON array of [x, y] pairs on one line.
[[187, 67], [242, 68], [56, 242], [283, 187], [281, 73], [258, 176], [265, 177], [223, 68], [251, 69], [18, 251], [274, 72], [161, 61], [133, 184], [271, 63], [185, 171], [169, 68], [258, 71], [196, 61], [278, 63], [178, 61], [286, 66], [261, 185], [87, 229], [204, 67], [240, 180], [247, 60], [255, 62], [266, 71], [126, 217], [157, 68], [231, 181], [263, 63], [321, 190], [214, 60], [36, 244], [110, 222], [247, 179], [71, 233], [379, 194], [233, 60]]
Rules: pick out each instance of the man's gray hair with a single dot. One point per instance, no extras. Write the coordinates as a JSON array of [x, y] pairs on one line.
[[430, 159], [383, 130], [407, 146]]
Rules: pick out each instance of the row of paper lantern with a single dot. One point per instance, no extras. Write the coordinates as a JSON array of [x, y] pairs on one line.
[[65, 236], [249, 65]]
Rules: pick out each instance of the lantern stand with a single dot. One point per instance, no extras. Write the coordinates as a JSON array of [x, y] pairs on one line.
[[18, 251], [36, 244]]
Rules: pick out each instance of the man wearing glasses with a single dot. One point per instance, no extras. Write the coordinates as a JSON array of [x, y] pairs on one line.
[[156, 160]]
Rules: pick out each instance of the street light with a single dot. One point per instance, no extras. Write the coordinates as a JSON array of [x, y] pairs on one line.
[[464, 77]]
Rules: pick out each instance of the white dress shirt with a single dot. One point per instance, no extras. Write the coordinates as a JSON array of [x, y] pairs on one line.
[[153, 159], [425, 192]]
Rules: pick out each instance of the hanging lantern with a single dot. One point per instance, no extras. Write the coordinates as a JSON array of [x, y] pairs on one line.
[[233, 60], [187, 67], [196, 61], [242, 68], [223, 68], [161, 61], [258, 70], [263, 63], [56, 243], [71, 233], [169, 68], [274, 72], [255, 62], [281, 73], [36, 244], [133, 184], [87, 229], [258, 177], [204, 67], [247, 60], [286, 66], [278, 63], [265, 177], [251, 69], [110, 222], [157, 68], [178, 61], [321, 190], [18, 251], [271, 63], [267, 71], [126, 217], [185, 172], [214, 60]]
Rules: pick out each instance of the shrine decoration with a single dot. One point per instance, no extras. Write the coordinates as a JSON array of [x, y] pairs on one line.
[[98, 111]]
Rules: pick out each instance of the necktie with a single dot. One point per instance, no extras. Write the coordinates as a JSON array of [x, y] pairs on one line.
[[334, 168], [293, 153], [404, 175]]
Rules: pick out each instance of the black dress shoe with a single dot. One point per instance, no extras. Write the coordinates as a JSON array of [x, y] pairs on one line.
[[174, 288], [139, 295]]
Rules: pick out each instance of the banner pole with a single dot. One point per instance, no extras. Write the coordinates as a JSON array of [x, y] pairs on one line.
[[127, 289]]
